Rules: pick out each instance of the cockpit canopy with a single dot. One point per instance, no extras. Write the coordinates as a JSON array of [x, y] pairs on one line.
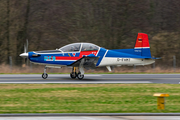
[[76, 47]]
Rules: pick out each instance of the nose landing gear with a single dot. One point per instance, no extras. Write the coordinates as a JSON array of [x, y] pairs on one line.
[[44, 75]]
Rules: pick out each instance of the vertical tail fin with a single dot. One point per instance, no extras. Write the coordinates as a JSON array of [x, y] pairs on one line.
[[142, 45]]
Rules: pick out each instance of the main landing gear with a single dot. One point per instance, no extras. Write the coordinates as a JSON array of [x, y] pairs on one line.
[[74, 74], [44, 75]]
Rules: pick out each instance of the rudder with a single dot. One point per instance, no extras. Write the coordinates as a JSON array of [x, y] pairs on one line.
[[142, 46]]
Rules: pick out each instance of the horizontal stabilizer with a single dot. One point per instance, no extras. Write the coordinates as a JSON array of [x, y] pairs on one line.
[[155, 58]]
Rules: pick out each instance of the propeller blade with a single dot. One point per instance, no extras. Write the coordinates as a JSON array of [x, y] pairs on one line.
[[25, 50], [25, 60], [27, 45], [25, 54]]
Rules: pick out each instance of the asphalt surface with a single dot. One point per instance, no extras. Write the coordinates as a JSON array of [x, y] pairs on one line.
[[91, 78], [92, 116], [95, 118]]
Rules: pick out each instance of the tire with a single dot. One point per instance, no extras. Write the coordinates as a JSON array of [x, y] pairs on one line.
[[44, 75], [80, 76], [73, 75]]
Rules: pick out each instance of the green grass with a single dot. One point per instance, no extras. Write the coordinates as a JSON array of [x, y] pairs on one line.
[[87, 98]]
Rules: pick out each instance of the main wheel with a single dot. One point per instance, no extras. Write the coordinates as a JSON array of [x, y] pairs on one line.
[[80, 76], [73, 75], [44, 75]]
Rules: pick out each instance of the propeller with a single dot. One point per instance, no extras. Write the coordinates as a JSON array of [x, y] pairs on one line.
[[25, 60], [25, 54], [26, 46], [26, 49]]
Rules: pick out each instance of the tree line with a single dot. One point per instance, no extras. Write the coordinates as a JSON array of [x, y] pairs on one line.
[[112, 24]]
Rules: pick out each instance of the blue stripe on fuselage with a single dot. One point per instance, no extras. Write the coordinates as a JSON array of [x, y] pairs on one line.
[[122, 54], [130, 51], [101, 54], [41, 59]]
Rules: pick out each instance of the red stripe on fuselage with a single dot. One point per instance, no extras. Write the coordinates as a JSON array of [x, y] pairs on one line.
[[82, 53], [67, 58]]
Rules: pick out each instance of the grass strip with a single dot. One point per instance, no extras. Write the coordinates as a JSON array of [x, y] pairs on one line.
[[87, 98]]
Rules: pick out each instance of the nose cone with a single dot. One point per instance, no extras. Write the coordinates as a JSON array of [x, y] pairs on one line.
[[25, 55]]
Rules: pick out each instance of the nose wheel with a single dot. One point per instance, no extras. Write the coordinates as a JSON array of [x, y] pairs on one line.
[[44, 75]]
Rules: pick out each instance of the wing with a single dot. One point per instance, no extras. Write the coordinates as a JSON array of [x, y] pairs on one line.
[[86, 61]]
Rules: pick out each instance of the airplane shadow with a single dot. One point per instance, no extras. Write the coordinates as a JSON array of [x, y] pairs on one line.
[[85, 79]]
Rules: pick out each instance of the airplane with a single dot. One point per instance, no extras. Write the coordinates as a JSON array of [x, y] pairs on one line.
[[87, 55]]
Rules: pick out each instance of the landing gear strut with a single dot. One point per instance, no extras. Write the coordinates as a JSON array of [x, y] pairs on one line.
[[81, 71], [73, 74], [44, 75]]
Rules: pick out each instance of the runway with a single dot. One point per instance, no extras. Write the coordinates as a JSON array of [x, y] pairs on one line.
[[91, 116], [91, 78], [95, 118]]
